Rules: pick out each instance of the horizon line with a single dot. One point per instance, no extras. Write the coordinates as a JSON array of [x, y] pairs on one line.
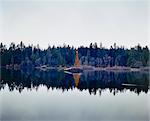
[[99, 45]]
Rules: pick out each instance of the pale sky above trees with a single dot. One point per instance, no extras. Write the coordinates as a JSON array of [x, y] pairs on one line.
[[49, 22]]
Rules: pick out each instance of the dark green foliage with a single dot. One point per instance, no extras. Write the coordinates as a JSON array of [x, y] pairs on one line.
[[64, 56]]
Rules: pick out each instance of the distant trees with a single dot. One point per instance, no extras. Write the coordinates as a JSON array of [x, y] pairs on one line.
[[115, 56], [93, 55], [138, 56], [33, 56]]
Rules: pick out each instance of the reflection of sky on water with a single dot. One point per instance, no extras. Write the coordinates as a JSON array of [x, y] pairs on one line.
[[73, 104], [53, 95]]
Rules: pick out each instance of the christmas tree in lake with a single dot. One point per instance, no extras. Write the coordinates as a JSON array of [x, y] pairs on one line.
[[76, 63]]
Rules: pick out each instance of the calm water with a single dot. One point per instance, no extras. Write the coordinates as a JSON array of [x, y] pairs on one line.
[[55, 95]]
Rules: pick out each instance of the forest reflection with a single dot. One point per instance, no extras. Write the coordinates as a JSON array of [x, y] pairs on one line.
[[94, 82]]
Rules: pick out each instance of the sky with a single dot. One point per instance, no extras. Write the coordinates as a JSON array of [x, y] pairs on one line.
[[80, 22]]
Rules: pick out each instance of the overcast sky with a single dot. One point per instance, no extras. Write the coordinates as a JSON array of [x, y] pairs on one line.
[[74, 22]]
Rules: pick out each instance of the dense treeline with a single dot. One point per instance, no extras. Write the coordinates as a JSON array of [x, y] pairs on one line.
[[93, 55]]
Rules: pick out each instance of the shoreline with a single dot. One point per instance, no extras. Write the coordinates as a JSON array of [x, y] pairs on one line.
[[84, 68], [123, 69]]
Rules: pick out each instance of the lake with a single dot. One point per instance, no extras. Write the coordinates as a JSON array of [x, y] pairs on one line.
[[61, 96]]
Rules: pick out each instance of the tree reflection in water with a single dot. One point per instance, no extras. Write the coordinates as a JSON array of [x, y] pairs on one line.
[[95, 81]]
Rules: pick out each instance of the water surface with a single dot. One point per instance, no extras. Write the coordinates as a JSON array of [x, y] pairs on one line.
[[55, 95]]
